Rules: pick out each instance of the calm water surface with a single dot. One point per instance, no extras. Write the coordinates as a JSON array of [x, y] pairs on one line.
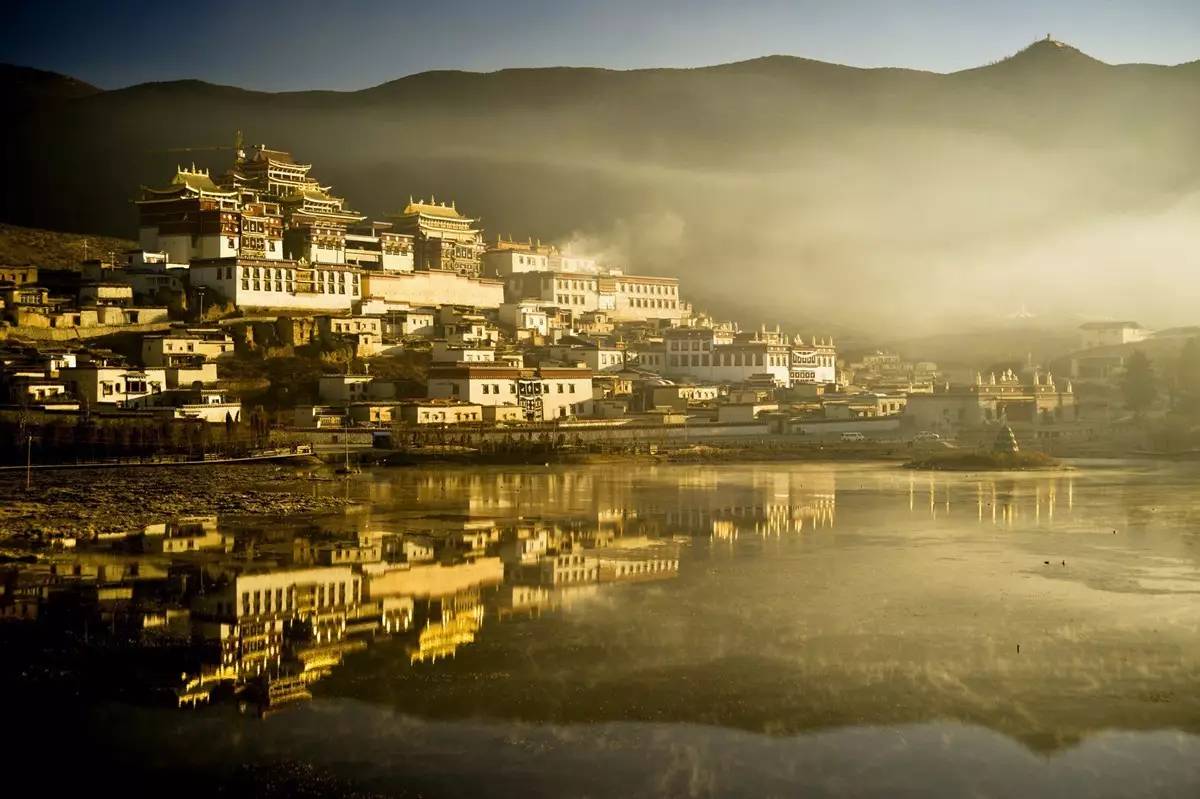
[[752, 630]]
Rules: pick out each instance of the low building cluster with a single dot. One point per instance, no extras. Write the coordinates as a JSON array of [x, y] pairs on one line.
[[505, 332], [511, 332]]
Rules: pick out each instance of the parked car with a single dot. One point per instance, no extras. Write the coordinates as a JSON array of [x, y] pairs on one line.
[[925, 437], [853, 437]]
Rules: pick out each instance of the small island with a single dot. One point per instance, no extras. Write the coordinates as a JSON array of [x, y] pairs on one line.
[[1005, 455]]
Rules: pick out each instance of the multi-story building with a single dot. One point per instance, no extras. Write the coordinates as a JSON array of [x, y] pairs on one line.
[[577, 292], [1109, 334], [1006, 397], [544, 394], [640, 297], [524, 315], [442, 351], [595, 357], [191, 218], [443, 239], [365, 333], [262, 230], [505, 258], [814, 363], [99, 384], [290, 285], [18, 275], [375, 246], [185, 347], [713, 356]]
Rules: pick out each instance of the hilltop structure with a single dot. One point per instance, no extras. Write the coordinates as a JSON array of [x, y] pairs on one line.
[[509, 333], [443, 239]]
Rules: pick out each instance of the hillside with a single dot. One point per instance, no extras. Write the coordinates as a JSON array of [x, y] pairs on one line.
[[54, 249], [876, 196]]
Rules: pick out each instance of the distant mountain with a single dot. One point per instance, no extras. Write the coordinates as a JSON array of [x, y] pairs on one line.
[[812, 190], [22, 86]]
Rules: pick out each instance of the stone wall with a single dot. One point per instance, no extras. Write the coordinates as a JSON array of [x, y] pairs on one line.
[[77, 333]]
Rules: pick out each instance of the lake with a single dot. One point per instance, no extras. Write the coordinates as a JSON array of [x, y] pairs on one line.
[[636, 630]]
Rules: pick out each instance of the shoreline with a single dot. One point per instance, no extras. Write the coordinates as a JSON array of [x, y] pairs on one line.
[[62, 506]]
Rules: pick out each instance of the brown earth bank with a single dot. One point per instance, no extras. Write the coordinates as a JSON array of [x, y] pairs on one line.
[[84, 503]]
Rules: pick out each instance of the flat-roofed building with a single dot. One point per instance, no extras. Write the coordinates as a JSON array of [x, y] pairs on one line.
[[640, 297], [281, 285], [439, 412], [544, 394], [1107, 334], [96, 384], [185, 347]]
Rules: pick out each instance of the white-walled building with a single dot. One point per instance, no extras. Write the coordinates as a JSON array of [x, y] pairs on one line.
[[814, 363], [211, 406], [343, 388], [545, 394], [578, 292], [641, 297], [415, 323], [1109, 334], [711, 356], [596, 358], [365, 332], [524, 315], [465, 327], [425, 288], [283, 285], [97, 384], [649, 357], [399, 320], [185, 347], [439, 412], [445, 352], [500, 263]]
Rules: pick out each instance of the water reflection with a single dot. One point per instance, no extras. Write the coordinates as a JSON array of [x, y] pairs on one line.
[[766, 597], [264, 623]]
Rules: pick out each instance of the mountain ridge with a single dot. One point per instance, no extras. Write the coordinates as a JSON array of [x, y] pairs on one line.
[[1035, 50], [732, 176]]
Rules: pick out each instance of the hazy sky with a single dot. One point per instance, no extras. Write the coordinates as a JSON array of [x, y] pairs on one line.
[[349, 45]]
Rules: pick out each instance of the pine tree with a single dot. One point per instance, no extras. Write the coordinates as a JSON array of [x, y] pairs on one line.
[[1187, 377], [1138, 385]]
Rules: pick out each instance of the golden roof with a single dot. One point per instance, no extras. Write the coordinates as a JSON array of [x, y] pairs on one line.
[[431, 208], [197, 181]]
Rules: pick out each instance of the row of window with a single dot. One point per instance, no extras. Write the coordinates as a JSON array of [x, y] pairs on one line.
[[279, 600], [730, 359], [107, 389], [494, 388], [647, 288], [642, 302]]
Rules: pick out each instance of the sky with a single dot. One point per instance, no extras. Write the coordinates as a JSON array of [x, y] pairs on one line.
[[324, 44]]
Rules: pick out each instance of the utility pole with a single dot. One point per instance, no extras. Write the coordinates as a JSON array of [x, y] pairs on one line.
[[28, 460]]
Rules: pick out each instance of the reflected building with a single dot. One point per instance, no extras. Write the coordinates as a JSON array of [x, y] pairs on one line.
[[226, 617]]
